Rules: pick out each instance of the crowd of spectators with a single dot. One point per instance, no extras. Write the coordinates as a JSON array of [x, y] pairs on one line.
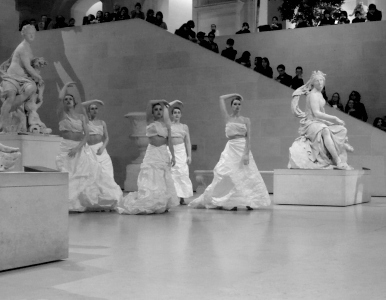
[[306, 18], [119, 13]]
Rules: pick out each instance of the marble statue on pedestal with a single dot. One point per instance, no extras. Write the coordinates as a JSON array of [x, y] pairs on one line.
[[323, 138], [20, 82], [8, 157]]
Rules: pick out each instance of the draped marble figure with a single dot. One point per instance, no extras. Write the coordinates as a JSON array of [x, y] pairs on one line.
[[323, 142]]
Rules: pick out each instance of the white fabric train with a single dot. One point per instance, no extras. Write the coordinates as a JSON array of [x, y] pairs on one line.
[[90, 187], [156, 192], [234, 184]]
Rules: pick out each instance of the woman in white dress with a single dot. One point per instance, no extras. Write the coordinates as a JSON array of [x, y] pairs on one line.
[[156, 192], [237, 181], [98, 136], [90, 187], [183, 154]]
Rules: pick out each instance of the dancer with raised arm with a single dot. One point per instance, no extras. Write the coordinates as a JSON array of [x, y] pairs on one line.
[[90, 187], [182, 152], [156, 192], [323, 138], [237, 181], [98, 135]]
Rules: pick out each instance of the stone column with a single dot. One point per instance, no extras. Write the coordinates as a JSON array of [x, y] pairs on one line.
[[138, 125]]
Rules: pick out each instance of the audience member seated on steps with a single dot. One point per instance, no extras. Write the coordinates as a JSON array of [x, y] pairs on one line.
[[88, 20], [245, 29], [60, 22], [300, 22], [358, 18], [343, 18], [275, 24], [150, 16], [358, 109], [116, 13], [106, 17], [374, 14], [159, 20], [266, 69], [41, 26], [378, 122], [192, 35], [335, 102], [213, 45], [258, 66], [137, 13], [124, 14], [245, 59], [283, 77], [214, 30], [201, 40], [297, 80], [34, 24], [48, 24], [327, 19], [229, 52], [183, 31], [98, 17], [71, 22]]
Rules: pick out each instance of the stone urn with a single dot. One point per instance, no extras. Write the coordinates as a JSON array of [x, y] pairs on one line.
[[138, 126]]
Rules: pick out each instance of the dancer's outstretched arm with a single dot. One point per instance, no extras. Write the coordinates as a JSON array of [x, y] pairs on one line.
[[83, 142], [62, 94], [168, 126], [223, 107], [247, 148], [188, 145], [106, 139], [314, 102]]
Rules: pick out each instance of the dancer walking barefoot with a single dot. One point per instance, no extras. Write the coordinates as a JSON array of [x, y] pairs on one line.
[[156, 192], [237, 181], [98, 135], [182, 152], [90, 187]]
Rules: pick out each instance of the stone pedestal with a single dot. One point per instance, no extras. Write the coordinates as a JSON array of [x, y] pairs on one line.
[[36, 150], [33, 218], [138, 125], [321, 187]]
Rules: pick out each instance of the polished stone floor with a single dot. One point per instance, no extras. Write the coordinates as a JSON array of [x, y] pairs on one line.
[[279, 252]]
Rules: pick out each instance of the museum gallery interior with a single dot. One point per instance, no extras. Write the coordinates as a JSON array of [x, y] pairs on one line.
[[192, 149]]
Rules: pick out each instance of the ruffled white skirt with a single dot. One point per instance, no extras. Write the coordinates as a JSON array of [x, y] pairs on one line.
[[90, 187], [104, 159], [156, 191], [234, 184], [180, 173]]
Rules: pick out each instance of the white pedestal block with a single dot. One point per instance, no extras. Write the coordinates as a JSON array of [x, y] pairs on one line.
[[132, 172], [205, 177], [36, 150], [321, 187], [33, 218]]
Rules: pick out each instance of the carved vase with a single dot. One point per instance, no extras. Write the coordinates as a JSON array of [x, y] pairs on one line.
[[138, 126]]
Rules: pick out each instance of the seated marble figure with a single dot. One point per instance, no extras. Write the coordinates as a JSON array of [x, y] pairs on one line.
[[323, 142]]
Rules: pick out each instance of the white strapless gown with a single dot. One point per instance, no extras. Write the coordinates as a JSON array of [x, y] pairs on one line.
[[234, 184], [90, 187]]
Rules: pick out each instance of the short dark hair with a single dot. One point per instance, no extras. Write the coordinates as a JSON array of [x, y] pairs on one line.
[[281, 66], [237, 98], [299, 68], [190, 23], [266, 60], [230, 42], [200, 34], [245, 24], [159, 13], [372, 6], [138, 4], [274, 17]]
